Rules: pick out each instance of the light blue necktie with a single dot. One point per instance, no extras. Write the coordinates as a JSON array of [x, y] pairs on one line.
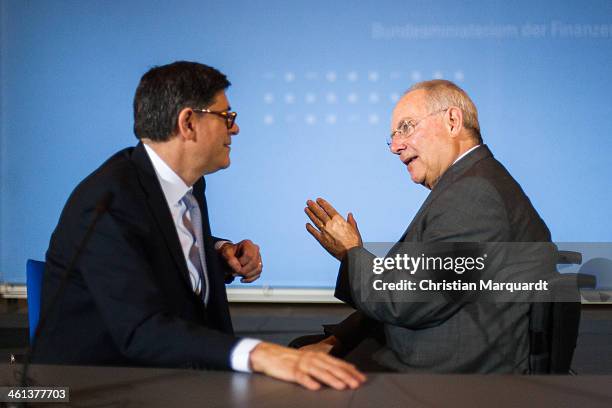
[[196, 252]]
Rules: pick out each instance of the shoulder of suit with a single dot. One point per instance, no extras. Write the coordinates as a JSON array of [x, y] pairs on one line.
[[117, 175]]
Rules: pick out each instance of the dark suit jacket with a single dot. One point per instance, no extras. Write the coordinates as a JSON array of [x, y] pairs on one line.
[[475, 200], [129, 300]]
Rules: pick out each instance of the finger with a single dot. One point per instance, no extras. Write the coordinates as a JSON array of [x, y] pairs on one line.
[[234, 264], [315, 233], [252, 267], [315, 220], [348, 367], [255, 273], [325, 376], [252, 271], [327, 207], [320, 347], [318, 212], [249, 275], [346, 372], [247, 248], [343, 376], [306, 381], [247, 258], [250, 279]]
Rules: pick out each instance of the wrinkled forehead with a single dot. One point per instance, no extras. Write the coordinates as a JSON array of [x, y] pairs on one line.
[[410, 106]]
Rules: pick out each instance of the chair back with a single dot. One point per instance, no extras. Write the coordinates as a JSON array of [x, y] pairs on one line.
[[34, 276], [554, 326]]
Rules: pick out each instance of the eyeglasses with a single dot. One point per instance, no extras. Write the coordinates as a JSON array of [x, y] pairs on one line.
[[407, 127], [229, 116]]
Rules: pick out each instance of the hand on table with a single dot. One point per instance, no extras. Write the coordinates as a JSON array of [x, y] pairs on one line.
[[307, 368]]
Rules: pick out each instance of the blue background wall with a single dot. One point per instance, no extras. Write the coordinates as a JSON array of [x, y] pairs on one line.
[[314, 83]]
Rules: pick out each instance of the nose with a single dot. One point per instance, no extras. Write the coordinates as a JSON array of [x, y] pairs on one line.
[[397, 145], [235, 129]]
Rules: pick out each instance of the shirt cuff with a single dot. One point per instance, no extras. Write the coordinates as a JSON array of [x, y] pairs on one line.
[[219, 244], [239, 358]]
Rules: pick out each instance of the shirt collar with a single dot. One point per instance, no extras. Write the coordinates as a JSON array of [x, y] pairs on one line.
[[465, 154], [172, 185]]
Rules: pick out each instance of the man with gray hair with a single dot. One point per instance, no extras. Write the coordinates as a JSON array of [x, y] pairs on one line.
[[473, 199]]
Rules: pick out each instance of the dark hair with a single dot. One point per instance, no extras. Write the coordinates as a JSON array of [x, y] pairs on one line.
[[166, 90]]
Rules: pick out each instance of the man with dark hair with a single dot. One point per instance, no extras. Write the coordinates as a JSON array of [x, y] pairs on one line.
[[149, 287], [473, 199], [164, 91]]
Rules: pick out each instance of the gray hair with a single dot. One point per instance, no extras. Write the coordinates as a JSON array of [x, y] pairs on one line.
[[442, 94]]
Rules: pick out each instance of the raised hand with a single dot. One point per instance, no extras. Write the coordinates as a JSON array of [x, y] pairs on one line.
[[330, 229]]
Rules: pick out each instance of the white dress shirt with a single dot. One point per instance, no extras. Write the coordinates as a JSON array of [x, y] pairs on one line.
[[174, 189], [465, 154]]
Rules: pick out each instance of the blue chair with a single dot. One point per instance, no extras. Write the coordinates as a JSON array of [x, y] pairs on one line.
[[34, 276]]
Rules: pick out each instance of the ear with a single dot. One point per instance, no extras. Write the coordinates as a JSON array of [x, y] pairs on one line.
[[185, 124], [454, 120]]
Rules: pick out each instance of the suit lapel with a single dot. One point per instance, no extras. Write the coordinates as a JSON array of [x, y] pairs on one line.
[[446, 180], [159, 209]]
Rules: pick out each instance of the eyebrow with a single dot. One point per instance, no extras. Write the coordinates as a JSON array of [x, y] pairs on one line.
[[405, 119]]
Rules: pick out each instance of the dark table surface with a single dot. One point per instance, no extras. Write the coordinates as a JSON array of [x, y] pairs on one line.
[[151, 387]]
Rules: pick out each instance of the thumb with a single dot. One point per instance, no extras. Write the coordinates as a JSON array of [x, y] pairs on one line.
[[228, 251], [352, 222], [234, 264]]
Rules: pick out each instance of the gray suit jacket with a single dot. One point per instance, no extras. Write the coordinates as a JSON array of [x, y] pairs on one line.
[[475, 200]]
